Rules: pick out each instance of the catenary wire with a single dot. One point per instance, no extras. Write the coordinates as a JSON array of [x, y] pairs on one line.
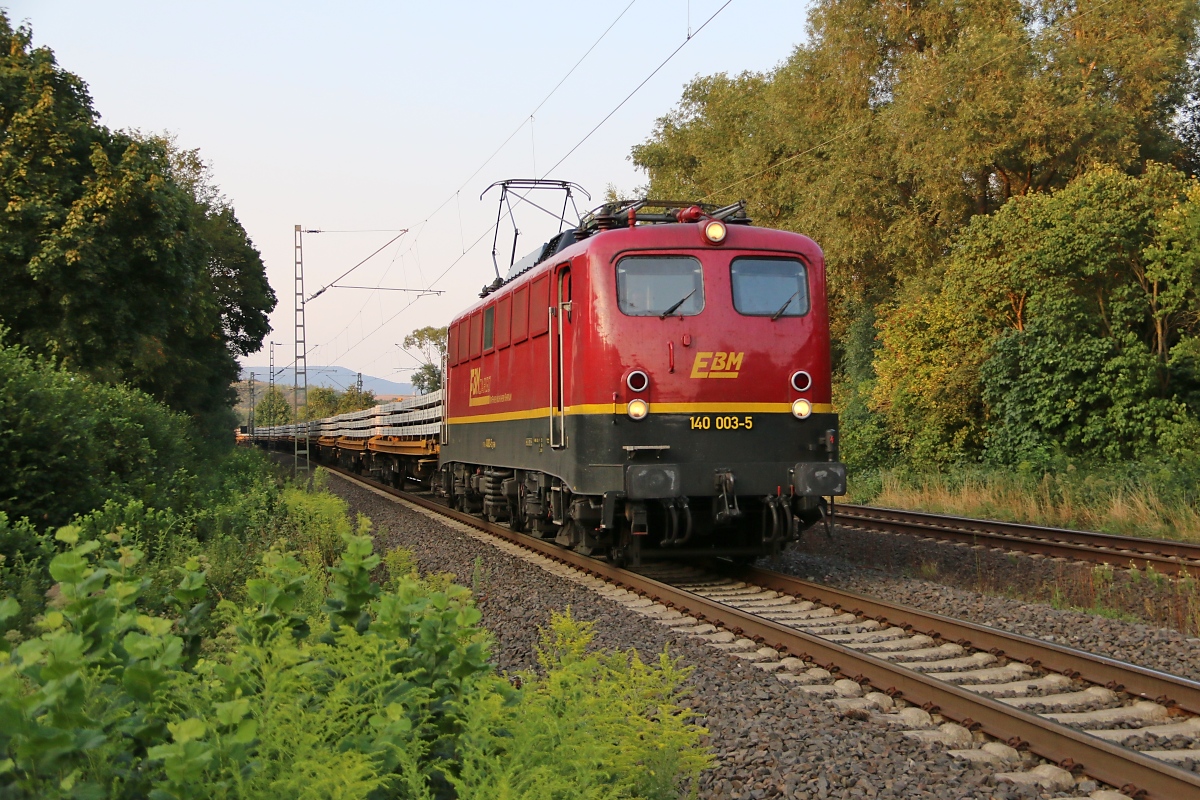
[[526, 119], [546, 99], [666, 61], [579, 144], [323, 289]]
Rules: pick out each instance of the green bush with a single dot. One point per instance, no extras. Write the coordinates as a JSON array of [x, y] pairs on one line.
[[68, 445], [377, 694]]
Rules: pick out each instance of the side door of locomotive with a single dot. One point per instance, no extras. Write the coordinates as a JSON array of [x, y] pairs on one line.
[[561, 348]]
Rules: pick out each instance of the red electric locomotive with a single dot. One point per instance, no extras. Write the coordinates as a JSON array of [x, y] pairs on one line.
[[648, 383]]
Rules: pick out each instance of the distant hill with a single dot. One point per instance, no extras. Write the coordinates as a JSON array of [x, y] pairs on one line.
[[338, 378]]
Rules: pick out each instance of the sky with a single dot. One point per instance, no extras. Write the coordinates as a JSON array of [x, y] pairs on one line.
[[374, 117]]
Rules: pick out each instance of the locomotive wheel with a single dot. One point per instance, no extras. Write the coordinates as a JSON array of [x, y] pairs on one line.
[[627, 551], [517, 520], [516, 511]]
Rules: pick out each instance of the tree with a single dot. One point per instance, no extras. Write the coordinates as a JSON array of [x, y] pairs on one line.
[[69, 444], [324, 401], [116, 258], [1066, 321], [898, 122], [273, 409], [428, 346], [354, 400]]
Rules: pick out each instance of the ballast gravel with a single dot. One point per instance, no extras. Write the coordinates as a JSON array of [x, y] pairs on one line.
[[881, 566], [769, 739]]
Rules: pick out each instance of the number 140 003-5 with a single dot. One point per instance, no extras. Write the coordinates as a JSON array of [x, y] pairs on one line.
[[704, 423]]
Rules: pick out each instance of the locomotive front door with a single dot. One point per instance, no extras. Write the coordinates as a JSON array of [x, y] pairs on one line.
[[560, 346]]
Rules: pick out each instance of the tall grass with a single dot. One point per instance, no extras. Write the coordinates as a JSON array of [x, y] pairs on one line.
[[1136, 500]]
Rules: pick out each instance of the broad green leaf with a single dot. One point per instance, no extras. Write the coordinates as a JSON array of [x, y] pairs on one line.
[[154, 626], [9, 608], [233, 711], [188, 730]]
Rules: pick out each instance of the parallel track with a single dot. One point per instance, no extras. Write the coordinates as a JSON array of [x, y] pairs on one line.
[[1099, 548], [1103, 760]]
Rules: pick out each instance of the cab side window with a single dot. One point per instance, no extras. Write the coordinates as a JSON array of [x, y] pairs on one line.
[[489, 328], [452, 345]]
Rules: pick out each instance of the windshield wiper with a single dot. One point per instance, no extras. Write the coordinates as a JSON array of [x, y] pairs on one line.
[[783, 307], [675, 307]]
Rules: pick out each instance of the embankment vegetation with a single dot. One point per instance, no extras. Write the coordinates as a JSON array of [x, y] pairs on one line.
[[1006, 196], [251, 644]]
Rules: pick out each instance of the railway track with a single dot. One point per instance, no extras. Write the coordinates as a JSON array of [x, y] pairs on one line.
[[1118, 723], [1100, 548]]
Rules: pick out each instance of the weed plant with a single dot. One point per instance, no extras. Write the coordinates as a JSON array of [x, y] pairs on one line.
[[1134, 594], [1135, 499]]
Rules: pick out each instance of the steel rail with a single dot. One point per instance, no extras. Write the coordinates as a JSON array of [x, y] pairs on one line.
[[1116, 765], [1120, 676], [1100, 548]]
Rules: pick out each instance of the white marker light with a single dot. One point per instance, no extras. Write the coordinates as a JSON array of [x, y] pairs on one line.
[[715, 231], [801, 409], [638, 409]]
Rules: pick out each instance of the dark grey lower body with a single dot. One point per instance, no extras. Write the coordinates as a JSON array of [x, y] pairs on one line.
[[681, 484]]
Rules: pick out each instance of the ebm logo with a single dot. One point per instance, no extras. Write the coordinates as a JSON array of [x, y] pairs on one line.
[[717, 365], [481, 388], [479, 384]]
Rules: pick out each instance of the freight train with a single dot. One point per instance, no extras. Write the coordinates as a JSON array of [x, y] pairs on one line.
[[655, 381]]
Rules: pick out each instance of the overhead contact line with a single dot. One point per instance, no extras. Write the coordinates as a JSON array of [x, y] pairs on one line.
[[468, 248]]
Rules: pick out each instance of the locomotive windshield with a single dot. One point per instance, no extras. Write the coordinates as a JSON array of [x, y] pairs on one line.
[[657, 285], [769, 287]]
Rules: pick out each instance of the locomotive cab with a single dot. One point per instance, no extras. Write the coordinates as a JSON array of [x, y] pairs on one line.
[[661, 385]]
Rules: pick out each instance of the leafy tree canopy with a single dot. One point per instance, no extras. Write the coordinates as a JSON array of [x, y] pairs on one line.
[[273, 409], [1064, 323], [427, 345], [897, 122], [118, 257], [324, 401]]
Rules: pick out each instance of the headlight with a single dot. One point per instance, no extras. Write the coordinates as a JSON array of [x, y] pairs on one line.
[[715, 231], [801, 409], [638, 409]]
